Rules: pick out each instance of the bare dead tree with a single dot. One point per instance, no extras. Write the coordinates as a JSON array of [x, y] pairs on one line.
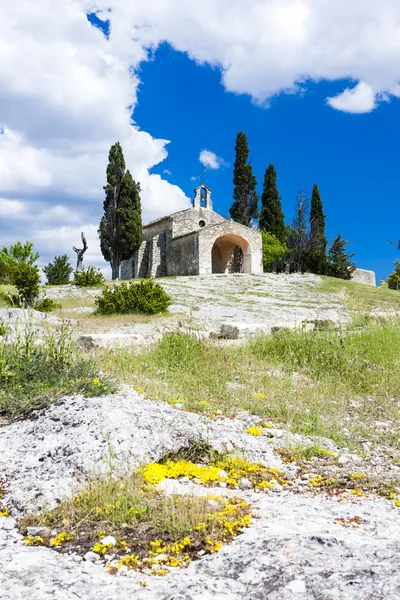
[[80, 253], [397, 244]]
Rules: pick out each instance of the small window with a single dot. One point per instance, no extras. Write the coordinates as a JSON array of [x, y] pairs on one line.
[[202, 223]]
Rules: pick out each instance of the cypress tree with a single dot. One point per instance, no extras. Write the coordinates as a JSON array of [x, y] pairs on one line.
[[120, 228], [339, 263], [245, 199], [271, 217], [317, 259]]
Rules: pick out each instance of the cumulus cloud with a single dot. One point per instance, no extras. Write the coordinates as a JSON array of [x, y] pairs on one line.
[[210, 160], [266, 47], [67, 91], [66, 94], [360, 99]]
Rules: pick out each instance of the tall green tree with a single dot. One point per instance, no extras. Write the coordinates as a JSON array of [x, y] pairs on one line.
[[317, 258], [339, 263], [271, 217], [120, 228], [299, 235], [244, 209]]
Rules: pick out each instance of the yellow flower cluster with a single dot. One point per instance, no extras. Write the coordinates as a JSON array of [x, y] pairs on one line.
[[131, 561], [213, 545], [154, 473], [357, 492], [318, 482], [260, 396], [236, 468], [4, 511], [101, 549], [61, 538], [33, 540], [256, 431], [357, 476], [176, 548], [397, 503]]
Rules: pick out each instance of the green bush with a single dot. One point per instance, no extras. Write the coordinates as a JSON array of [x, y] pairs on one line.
[[272, 250], [146, 297], [59, 271], [393, 281], [26, 279], [13, 256], [46, 305], [88, 278]]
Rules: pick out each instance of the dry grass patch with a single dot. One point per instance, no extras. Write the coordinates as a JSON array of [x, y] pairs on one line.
[[145, 529]]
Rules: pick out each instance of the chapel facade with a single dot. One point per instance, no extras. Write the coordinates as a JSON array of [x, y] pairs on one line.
[[195, 241]]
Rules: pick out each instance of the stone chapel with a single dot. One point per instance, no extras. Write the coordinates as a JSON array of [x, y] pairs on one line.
[[195, 241]]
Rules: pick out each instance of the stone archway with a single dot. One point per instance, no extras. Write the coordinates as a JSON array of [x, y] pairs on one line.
[[231, 254]]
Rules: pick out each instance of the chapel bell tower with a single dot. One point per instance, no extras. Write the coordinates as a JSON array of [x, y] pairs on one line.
[[202, 198]]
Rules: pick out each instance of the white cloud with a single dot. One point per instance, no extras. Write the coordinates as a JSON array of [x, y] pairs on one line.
[[66, 95], [266, 47], [67, 92], [359, 99], [167, 172], [210, 160], [194, 178]]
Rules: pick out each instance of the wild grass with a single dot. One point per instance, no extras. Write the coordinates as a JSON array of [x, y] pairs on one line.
[[144, 522], [359, 297], [316, 383], [35, 370]]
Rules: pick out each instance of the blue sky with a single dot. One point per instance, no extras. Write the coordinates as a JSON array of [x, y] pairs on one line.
[[315, 85], [353, 158]]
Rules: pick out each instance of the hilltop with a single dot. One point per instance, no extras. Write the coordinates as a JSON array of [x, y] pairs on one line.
[[281, 391]]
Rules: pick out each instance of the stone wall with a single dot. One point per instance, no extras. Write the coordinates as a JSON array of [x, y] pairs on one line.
[[364, 276], [183, 256], [192, 220]]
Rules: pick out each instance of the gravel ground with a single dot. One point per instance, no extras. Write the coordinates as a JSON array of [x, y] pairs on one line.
[[294, 548]]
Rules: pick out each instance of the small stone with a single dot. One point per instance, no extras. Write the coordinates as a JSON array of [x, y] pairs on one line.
[[197, 481], [277, 488], [76, 558], [255, 498], [38, 531], [222, 484], [277, 433], [343, 460], [356, 458], [223, 474], [123, 570], [306, 476], [91, 557], [109, 557], [297, 586], [109, 540], [185, 480], [161, 557], [245, 484], [9, 523]]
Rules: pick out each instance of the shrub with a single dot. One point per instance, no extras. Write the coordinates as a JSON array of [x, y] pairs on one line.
[[146, 297], [393, 281], [46, 304], [272, 250], [26, 279], [58, 272], [16, 254], [88, 278]]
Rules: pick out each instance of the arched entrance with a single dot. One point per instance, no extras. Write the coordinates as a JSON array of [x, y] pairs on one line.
[[231, 254]]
